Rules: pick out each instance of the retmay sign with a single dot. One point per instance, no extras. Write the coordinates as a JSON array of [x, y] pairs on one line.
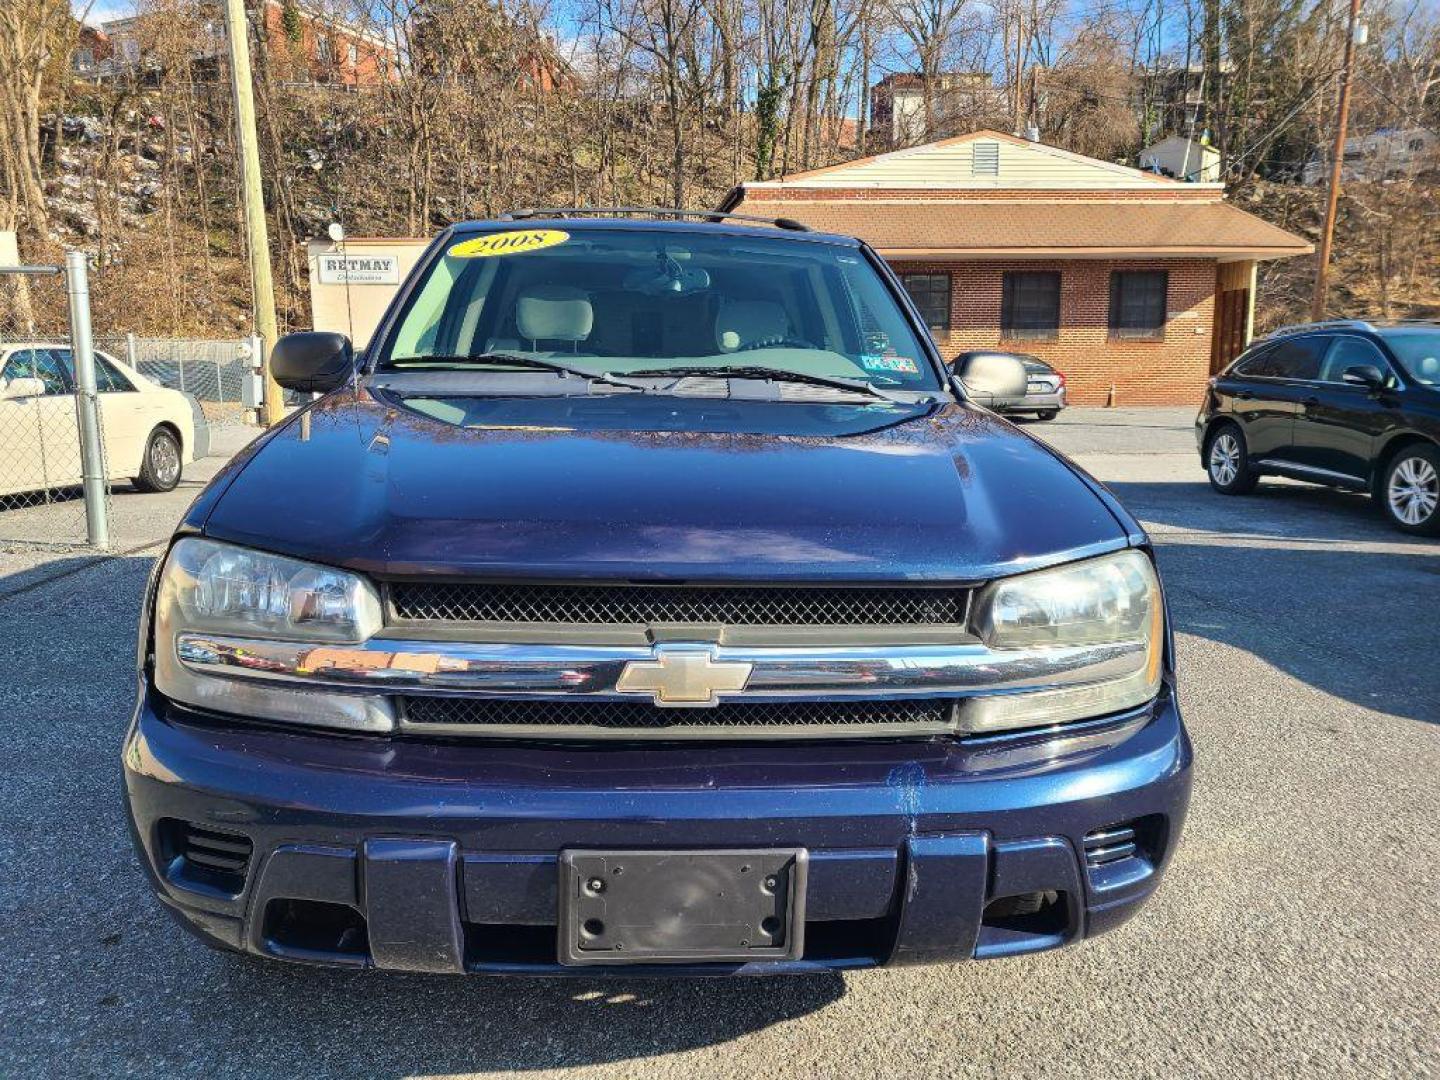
[[359, 270]]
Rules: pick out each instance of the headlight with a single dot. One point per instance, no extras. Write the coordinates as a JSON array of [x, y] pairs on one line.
[[209, 587], [232, 590], [1112, 604]]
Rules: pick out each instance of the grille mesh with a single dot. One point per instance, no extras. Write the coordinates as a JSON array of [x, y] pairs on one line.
[[489, 712], [641, 605]]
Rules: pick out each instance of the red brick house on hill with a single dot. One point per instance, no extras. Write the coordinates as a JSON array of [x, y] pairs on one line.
[[1121, 279], [303, 40]]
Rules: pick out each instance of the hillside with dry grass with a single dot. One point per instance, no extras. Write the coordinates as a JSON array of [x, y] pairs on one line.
[[1387, 250]]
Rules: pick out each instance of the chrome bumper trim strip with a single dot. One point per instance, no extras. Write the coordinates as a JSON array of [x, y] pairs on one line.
[[390, 666]]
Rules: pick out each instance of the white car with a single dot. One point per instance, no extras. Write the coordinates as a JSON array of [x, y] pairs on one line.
[[150, 431]]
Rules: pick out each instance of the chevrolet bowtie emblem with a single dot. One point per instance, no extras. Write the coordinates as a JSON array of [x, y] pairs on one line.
[[683, 677]]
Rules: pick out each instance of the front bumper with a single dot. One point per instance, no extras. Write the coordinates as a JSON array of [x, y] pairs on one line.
[[442, 857], [1037, 403]]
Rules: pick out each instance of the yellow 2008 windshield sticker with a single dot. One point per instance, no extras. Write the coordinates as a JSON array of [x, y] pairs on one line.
[[507, 243]]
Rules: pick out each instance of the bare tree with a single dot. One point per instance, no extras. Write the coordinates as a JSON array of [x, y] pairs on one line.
[[666, 32], [929, 28], [36, 39]]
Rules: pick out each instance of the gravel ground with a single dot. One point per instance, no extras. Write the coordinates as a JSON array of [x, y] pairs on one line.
[[1295, 934]]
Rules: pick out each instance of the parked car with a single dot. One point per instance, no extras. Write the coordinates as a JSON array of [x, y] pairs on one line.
[[150, 432], [648, 596], [1346, 403], [1044, 394]]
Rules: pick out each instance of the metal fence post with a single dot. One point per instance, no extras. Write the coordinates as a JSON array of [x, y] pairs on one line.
[[131, 353], [258, 361], [92, 460]]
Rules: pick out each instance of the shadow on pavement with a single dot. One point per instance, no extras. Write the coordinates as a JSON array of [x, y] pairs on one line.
[[375, 1024], [1309, 580], [1276, 509], [26, 578]]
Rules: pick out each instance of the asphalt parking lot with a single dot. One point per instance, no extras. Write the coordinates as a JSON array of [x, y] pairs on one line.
[[1296, 933]]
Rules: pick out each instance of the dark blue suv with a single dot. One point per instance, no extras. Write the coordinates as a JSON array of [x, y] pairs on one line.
[[1346, 403], [649, 596]]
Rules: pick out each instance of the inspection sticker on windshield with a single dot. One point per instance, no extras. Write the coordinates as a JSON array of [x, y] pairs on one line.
[[889, 362], [507, 243]]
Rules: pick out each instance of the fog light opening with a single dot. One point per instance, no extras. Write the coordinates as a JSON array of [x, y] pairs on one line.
[[1040, 914], [313, 928]]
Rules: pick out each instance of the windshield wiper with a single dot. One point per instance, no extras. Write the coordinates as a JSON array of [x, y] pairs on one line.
[[518, 360], [752, 371]]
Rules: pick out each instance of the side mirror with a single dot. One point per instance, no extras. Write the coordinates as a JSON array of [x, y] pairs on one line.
[[990, 378], [1366, 375], [316, 361], [22, 388]]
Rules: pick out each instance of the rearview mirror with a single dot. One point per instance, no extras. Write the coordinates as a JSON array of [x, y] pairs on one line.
[[1366, 375], [314, 362], [22, 388], [990, 378]]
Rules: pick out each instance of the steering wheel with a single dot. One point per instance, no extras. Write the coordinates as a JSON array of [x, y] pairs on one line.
[[777, 341]]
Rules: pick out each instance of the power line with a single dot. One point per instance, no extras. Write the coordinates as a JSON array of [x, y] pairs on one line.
[[1404, 111]]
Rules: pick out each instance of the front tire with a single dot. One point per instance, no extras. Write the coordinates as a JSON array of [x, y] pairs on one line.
[[161, 467], [1227, 462], [1410, 491]]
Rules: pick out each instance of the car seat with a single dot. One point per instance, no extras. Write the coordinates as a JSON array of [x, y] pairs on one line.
[[555, 314]]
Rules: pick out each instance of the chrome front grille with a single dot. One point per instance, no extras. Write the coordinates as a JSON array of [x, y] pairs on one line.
[[730, 719], [646, 605]]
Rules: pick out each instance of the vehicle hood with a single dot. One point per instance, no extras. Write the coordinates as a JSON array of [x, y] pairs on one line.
[[625, 487]]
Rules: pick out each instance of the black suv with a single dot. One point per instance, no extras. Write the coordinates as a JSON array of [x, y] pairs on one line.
[[1347, 403]]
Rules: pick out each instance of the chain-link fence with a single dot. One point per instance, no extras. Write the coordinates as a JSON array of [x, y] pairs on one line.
[[219, 374], [52, 491], [57, 452]]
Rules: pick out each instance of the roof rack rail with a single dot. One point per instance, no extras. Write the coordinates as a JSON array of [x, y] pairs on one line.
[[1326, 324], [789, 224]]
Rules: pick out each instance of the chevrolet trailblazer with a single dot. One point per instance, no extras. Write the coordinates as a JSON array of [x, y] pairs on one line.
[[649, 597]]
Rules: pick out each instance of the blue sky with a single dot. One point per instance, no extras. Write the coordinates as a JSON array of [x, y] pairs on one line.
[[101, 10]]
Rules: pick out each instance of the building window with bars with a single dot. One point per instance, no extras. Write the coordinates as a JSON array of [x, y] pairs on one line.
[[1030, 305], [931, 293], [1137, 303]]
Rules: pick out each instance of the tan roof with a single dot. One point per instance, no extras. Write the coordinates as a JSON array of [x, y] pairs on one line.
[[948, 163], [1031, 227]]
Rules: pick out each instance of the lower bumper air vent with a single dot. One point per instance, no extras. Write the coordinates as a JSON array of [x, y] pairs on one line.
[[204, 859], [1105, 846], [1125, 853]]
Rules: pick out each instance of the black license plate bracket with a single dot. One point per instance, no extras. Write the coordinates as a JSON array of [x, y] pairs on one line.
[[677, 907]]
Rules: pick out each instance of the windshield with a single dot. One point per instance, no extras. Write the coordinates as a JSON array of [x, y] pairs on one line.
[[1418, 351], [639, 301]]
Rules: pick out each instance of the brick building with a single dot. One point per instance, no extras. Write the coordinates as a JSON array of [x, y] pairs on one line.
[[1132, 284], [897, 104], [302, 41]]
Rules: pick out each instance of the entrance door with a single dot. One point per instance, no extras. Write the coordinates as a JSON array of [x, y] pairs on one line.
[[1231, 309], [1230, 333]]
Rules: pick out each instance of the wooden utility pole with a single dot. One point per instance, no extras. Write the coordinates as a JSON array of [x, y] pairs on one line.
[[1016, 91], [257, 237], [1327, 235]]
